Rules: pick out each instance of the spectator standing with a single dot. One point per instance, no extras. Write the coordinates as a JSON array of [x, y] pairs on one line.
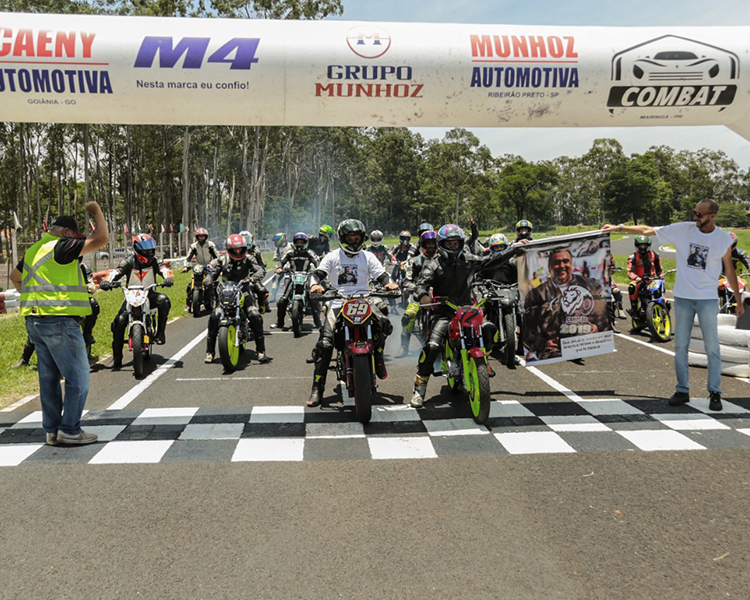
[[702, 248], [54, 298]]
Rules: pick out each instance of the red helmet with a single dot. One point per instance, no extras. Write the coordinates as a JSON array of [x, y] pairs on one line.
[[236, 246], [144, 247], [201, 231]]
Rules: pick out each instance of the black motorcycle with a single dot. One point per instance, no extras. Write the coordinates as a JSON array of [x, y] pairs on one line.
[[502, 310], [234, 330]]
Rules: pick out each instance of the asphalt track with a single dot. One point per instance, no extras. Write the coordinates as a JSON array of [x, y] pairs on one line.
[[480, 519]]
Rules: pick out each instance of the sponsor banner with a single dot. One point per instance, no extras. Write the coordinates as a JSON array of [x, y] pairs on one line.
[[565, 289], [106, 69]]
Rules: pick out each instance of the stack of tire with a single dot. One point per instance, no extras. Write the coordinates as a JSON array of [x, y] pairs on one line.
[[734, 344], [9, 301]]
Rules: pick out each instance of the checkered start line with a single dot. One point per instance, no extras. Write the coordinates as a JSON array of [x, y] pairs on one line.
[[290, 433]]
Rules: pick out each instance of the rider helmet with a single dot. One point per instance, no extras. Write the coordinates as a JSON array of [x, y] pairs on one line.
[[734, 239], [642, 243], [201, 235], [497, 243], [349, 227], [428, 243], [376, 237], [236, 247], [300, 241], [327, 231], [279, 240], [451, 241], [424, 227], [524, 229], [144, 247], [249, 239], [404, 238]]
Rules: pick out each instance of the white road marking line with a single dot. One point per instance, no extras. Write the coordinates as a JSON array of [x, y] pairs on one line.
[[393, 448], [647, 344], [659, 439], [13, 455], [269, 449], [129, 452], [534, 442], [239, 378], [19, 403], [555, 384], [149, 381]]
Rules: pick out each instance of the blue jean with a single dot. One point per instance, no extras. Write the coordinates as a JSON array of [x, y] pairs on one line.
[[685, 310], [60, 351]]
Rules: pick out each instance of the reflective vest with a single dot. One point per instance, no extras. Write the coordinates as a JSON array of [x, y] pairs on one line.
[[49, 288]]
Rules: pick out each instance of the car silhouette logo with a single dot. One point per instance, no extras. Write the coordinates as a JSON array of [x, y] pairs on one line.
[[676, 65]]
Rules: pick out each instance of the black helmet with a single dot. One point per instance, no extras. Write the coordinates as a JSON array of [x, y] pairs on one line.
[[348, 227], [450, 233]]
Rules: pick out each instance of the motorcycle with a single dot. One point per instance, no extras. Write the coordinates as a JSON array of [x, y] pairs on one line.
[[355, 347], [234, 330], [299, 301], [142, 320], [399, 278], [652, 309], [727, 304], [200, 294], [464, 359], [502, 310]]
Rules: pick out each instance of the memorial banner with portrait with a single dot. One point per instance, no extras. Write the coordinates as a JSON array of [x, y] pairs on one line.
[[565, 288]]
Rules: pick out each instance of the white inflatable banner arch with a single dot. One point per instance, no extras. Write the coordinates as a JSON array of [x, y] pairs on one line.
[[101, 69]]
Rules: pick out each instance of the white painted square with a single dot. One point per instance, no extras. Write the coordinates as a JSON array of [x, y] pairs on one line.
[[269, 449], [534, 442], [132, 452], [334, 430], [33, 420], [689, 422], [509, 408], [390, 414], [166, 416], [106, 433], [656, 439], [212, 431], [454, 427], [277, 414], [13, 455], [576, 423], [608, 406], [745, 431], [386, 448], [701, 404]]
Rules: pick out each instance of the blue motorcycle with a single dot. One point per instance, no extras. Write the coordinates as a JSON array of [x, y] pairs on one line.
[[652, 309]]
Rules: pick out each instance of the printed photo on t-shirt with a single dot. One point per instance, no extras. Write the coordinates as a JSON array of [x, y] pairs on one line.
[[698, 256], [348, 275]]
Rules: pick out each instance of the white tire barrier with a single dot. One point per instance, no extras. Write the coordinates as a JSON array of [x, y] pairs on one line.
[[731, 369], [727, 335], [729, 354]]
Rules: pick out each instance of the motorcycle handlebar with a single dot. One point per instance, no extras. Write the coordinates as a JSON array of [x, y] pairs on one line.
[[335, 295]]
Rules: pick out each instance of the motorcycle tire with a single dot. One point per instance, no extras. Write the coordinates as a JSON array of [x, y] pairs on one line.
[[448, 359], [363, 372], [509, 327], [136, 337], [659, 322], [298, 313], [479, 392], [228, 351], [196, 303]]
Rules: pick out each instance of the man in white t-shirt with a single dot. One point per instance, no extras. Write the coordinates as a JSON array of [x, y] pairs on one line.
[[702, 248], [349, 271]]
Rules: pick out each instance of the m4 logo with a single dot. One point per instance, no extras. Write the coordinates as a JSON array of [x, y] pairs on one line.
[[237, 52]]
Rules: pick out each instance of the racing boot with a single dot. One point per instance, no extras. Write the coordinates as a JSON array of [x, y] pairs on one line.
[[405, 338], [28, 350], [420, 390], [316, 394], [380, 369]]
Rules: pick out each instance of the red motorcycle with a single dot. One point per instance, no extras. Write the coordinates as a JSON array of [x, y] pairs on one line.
[[355, 347]]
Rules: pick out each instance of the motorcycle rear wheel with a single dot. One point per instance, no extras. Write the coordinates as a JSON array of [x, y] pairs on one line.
[[363, 369], [196, 303], [298, 313], [228, 351], [479, 394], [136, 337], [509, 326], [659, 322]]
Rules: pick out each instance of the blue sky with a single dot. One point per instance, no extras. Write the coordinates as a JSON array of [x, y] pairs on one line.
[[547, 143]]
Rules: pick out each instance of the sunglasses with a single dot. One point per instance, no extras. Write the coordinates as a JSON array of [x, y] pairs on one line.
[[698, 215]]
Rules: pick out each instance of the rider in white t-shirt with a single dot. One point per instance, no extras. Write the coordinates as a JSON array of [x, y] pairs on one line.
[[701, 248], [349, 270]]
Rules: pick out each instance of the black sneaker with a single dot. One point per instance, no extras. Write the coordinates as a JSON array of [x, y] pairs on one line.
[[160, 339], [679, 398], [714, 401]]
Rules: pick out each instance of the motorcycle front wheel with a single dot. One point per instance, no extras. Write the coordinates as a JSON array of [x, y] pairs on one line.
[[479, 392], [298, 313], [136, 338], [659, 322], [509, 327], [362, 368], [196, 303], [449, 362], [228, 351]]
